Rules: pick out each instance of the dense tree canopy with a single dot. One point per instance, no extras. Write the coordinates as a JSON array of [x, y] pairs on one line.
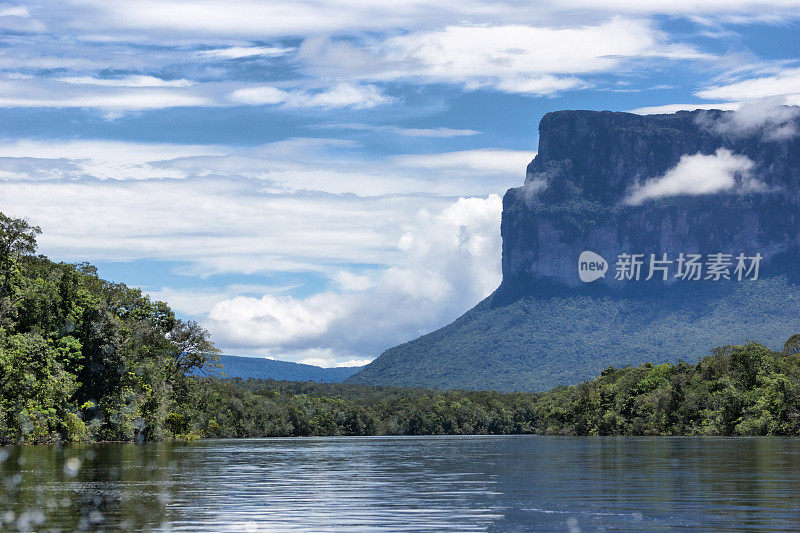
[[83, 358], [737, 390]]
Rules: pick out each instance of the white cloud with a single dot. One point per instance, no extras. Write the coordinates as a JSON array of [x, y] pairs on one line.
[[511, 58], [699, 174], [127, 81], [492, 161], [328, 362], [122, 100], [443, 133], [295, 204], [770, 117], [786, 82], [341, 95], [104, 151], [510, 47], [514, 49], [239, 52], [217, 225], [775, 117], [774, 10], [26, 92], [450, 260], [255, 19], [143, 92], [111, 160], [674, 108], [14, 11], [295, 165], [16, 18], [198, 301]]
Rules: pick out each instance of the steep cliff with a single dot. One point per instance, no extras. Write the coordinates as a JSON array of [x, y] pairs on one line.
[[648, 191], [578, 189]]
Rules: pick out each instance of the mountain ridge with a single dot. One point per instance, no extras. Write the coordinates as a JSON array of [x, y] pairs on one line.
[[235, 366]]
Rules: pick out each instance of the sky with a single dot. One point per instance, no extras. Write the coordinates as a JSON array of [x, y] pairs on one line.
[[318, 181]]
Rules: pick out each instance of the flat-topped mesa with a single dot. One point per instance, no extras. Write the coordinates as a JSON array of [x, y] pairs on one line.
[[550, 323], [592, 186]]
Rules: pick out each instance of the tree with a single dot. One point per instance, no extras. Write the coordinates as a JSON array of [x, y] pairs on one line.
[[17, 238], [792, 346], [192, 349]]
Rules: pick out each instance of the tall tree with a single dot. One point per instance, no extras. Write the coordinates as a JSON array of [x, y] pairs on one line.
[[17, 238]]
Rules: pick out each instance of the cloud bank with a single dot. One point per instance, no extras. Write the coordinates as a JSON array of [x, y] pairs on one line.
[[393, 258], [450, 260]]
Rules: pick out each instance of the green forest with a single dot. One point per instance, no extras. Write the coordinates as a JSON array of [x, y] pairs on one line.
[[737, 390], [83, 359]]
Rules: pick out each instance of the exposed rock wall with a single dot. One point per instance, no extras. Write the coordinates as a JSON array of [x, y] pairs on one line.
[[588, 164]]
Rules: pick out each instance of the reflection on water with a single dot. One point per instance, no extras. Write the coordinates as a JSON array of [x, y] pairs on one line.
[[406, 483]]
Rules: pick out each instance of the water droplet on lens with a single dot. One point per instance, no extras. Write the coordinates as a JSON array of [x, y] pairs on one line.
[[72, 466]]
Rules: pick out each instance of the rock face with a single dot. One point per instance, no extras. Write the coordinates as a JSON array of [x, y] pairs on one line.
[[617, 184], [577, 189]]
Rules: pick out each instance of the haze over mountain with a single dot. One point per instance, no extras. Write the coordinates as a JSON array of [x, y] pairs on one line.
[[652, 190]]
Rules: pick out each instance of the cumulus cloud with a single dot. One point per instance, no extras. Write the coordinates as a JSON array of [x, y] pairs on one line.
[[450, 260], [700, 174]]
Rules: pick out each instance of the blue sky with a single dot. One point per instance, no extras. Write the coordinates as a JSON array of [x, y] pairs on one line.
[[318, 181]]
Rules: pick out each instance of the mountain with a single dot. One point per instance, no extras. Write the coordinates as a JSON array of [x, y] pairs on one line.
[[259, 368], [609, 194]]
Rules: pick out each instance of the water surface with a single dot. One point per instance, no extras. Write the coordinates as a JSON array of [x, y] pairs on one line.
[[513, 483]]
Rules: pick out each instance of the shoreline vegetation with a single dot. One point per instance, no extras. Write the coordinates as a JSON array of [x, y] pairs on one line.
[[86, 360]]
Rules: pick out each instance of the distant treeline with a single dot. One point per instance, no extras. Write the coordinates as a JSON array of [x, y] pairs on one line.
[[738, 390], [83, 359]]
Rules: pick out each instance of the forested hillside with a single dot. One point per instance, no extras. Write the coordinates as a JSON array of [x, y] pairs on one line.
[[260, 368], [86, 359], [737, 390]]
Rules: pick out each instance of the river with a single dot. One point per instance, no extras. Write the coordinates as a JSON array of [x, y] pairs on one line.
[[441, 483]]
